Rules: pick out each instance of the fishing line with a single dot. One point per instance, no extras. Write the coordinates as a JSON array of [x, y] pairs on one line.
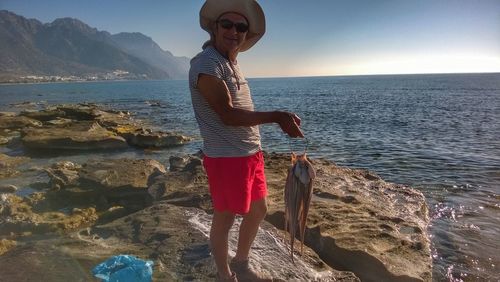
[[290, 145]]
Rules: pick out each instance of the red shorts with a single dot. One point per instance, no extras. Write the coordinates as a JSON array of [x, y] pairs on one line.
[[235, 182]]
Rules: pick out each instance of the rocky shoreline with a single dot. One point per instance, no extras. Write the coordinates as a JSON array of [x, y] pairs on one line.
[[359, 228]]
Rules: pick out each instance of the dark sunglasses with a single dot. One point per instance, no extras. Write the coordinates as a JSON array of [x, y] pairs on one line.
[[227, 24]]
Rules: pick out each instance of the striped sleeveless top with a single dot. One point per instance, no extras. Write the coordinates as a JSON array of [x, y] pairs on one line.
[[220, 140]]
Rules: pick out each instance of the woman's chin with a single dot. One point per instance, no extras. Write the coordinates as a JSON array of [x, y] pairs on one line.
[[232, 45]]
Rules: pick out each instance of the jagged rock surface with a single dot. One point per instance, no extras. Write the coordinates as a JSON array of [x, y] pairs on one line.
[[77, 136], [120, 173], [359, 222], [86, 127], [8, 165], [175, 238]]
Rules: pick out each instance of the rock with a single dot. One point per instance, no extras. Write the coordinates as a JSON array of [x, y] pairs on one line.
[[17, 216], [17, 122], [120, 173], [356, 222], [45, 261], [86, 127], [194, 164], [177, 163], [7, 136], [359, 222], [77, 136], [187, 163], [61, 221], [61, 114], [79, 112], [25, 104], [114, 119], [179, 254], [176, 238], [6, 245], [113, 213], [145, 139], [63, 174], [155, 103], [59, 121], [186, 187], [66, 165], [44, 115], [7, 114], [8, 189], [101, 184], [8, 165]]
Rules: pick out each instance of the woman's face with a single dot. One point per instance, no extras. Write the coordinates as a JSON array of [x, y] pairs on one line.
[[230, 32]]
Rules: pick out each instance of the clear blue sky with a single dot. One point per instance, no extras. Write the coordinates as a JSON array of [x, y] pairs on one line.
[[320, 37]]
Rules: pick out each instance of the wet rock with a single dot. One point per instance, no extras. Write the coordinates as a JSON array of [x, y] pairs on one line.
[[59, 121], [79, 112], [101, 184], [155, 103], [194, 165], [146, 138], [6, 245], [186, 187], [64, 200], [63, 174], [354, 221], [120, 173], [177, 162], [60, 221], [77, 136], [7, 114], [44, 115], [14, 212], [25, 104], [17, 217], [86, 127], [67, 165], [187, 163], [17, 122], [61, 114], [8, 189], [44, 261], [113, 213], [8, 165], [115, 119], [8, 136], [183, 254]]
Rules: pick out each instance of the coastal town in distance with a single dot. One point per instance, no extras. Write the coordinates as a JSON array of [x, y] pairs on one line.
[[114, 75]]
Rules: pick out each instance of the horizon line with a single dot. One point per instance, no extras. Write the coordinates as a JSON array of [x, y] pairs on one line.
[[372, 74]]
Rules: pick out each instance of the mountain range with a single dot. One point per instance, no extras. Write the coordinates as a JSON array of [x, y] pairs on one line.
[[68, 46]]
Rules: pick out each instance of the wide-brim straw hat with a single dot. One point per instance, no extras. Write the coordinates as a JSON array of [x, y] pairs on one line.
[[250, 9]]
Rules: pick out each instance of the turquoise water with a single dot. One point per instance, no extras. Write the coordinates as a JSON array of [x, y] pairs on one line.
[[437, 133]]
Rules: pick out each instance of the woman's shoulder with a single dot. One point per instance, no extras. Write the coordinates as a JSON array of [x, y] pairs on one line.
[[208, 57], [208, 61]]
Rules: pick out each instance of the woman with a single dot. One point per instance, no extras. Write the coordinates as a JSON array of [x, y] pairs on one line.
[[229, 127]]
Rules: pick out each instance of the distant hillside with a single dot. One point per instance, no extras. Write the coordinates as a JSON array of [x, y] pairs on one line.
[[143, 47], [70, 47]]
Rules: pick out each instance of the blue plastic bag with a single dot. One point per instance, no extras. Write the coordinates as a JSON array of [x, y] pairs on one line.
[[124, 268]]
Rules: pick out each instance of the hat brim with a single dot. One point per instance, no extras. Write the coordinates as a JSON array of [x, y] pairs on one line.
[[250, 9]]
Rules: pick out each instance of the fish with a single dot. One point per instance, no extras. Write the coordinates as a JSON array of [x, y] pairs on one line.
[[297, 195]]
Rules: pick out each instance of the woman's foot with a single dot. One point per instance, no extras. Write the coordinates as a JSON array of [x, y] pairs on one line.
[[245, 273], [232, 278]]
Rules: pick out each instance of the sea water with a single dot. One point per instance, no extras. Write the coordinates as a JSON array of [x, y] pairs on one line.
[[439, 133]]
